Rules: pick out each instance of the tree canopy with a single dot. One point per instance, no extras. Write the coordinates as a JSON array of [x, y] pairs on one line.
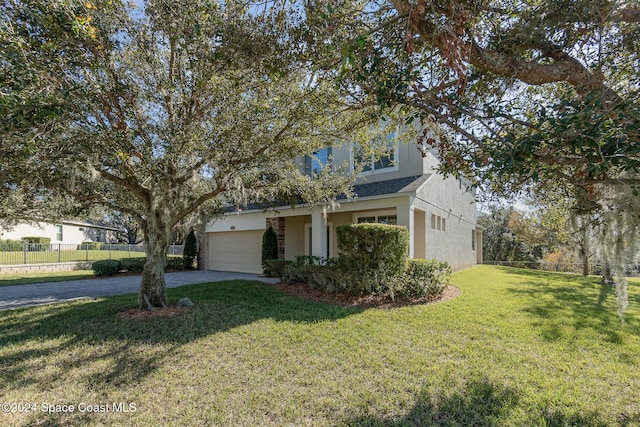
[[533, 91], [160, 110]]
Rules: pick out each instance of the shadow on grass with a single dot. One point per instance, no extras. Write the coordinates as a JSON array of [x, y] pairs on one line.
[[45, 331], [560, 299], [479, 402]]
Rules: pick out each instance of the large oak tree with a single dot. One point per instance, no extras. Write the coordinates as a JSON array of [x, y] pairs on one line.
[[161, 110]]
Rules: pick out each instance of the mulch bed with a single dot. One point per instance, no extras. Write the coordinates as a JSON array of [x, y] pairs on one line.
[[303, 290]]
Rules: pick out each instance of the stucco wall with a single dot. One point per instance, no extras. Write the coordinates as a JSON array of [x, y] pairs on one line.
[[449, 200]]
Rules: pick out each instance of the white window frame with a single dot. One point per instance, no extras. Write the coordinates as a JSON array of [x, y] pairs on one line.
[[375, 214], [393, 168]]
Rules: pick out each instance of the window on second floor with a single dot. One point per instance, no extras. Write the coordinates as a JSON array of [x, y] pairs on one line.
[[59, 233], [372, 163], [314, 164]]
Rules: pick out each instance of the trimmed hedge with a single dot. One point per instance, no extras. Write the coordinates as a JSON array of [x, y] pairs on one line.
[[422, 278], [372, 253], [92, 246], [106, 267], [330, 279], [133, 264], [275, 267], [174, 263]]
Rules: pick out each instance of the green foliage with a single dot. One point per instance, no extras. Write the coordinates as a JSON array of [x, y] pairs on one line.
[[174, 263], [92, 246], [372, 253], [276, 267], [190, 250], [107, 267], [11, 245], [329, 279], [269, 246], [133, 264], [422, 278], [37, 243]]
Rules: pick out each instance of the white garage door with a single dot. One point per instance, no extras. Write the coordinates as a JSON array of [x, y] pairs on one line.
[[236, 251]]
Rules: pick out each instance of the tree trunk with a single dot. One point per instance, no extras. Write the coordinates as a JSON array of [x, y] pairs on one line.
[[153, 286], [585, 265], [202, 243]]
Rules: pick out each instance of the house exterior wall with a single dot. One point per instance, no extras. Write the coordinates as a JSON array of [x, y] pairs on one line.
[[448, 199], [72, 234]]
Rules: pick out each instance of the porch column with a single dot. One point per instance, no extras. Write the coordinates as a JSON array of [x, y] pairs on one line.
[[318, 234], [405, 214]]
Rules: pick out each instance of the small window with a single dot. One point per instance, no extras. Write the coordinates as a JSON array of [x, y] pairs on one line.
[[378, 219], [439, 219], [444, 224], [81, 229], [433, 221], [59, 233], [473, 240]]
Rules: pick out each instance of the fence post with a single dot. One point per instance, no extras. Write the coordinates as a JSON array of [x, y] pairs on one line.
[[129, 249], [109, 250], [86, 251], [24, 251], [59, 251]]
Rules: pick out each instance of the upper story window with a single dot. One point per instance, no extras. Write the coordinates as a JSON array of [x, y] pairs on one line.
[[59, 233], [313, 165], [372, 163]]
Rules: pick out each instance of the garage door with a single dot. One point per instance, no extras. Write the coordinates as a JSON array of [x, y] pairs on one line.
[[236, 251]]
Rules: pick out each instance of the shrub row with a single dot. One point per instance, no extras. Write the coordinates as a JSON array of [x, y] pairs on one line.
[[373, 260], [109, 267]]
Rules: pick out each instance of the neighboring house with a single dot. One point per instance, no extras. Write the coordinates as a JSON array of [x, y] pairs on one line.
[[401, 189], [64, 232]]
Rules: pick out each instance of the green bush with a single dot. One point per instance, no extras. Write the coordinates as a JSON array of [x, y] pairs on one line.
[[329, 279], [190, 249], [37, 243], [373, 253], [133, 264], [92, 246], [422, 278], [269, 246], [275, 267], [11, 245], [175, 263], [107, 267]]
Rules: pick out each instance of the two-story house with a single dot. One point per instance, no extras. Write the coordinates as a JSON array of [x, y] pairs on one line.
[[402, 188]]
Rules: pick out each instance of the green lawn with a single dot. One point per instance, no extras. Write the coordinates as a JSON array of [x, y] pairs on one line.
[[37, 257], [29, 278], [516, 348]]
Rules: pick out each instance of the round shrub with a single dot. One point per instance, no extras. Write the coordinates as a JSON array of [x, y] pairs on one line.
[[106, 267]]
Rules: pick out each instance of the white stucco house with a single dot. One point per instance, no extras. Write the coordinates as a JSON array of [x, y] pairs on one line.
[[65, 232], [402, 188]]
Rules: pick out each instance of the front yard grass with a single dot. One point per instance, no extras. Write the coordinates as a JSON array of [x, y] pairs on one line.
[[516, 348]]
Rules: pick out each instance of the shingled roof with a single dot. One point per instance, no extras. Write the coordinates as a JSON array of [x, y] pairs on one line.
[[407, 184], [394, 186]]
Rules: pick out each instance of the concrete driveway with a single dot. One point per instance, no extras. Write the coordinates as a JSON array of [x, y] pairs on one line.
[[45, 293]]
